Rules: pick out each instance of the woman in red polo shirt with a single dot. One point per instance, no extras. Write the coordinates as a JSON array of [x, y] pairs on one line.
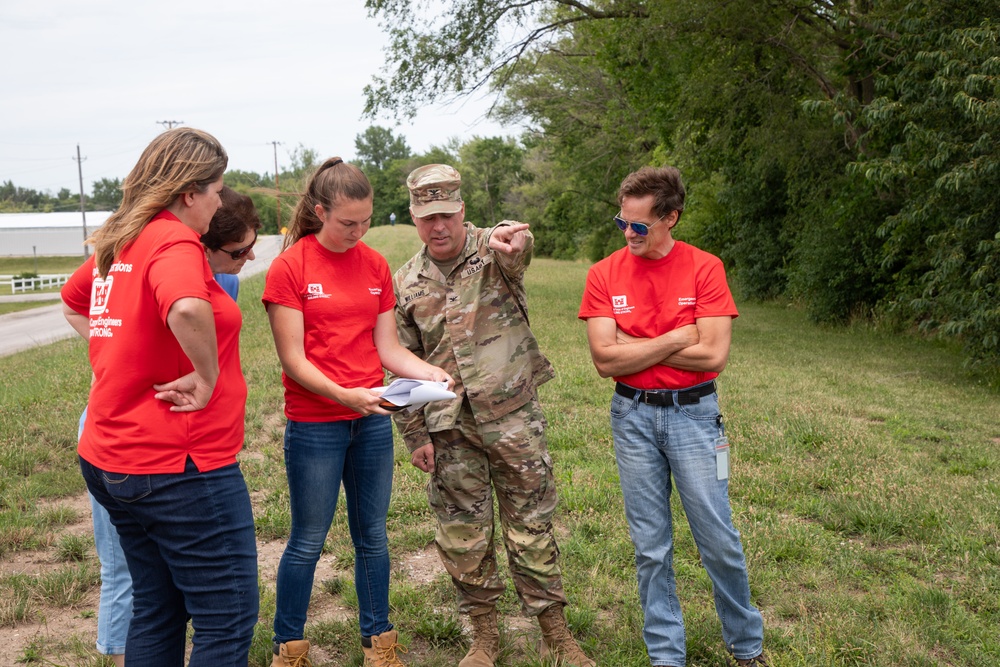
[[330, 302], [166, 409]]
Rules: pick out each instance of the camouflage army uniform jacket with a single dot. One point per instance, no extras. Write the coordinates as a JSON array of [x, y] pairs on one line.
[[473, 324]]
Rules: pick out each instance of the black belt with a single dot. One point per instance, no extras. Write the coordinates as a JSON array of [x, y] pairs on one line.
[[666, 396]]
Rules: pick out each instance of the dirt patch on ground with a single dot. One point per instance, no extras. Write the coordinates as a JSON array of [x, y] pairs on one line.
[[62, 631]]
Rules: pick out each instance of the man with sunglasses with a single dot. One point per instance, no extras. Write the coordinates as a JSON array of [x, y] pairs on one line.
[[659, 321]]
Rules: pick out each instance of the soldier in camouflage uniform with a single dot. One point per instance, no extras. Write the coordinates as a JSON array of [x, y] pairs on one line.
[[460, 305]]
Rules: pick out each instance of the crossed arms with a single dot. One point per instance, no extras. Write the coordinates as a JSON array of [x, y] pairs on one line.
[[702, 346]]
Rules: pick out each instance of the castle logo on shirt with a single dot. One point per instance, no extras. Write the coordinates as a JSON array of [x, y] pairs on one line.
[[315, 291], [100, 323], [100, 290], [619, 304]]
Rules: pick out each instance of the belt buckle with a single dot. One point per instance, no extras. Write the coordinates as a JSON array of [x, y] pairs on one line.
[[657, 398]]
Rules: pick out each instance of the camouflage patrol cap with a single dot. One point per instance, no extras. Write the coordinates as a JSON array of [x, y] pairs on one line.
[[434, 188]]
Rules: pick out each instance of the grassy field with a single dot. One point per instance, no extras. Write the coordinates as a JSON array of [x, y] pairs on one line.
[[865, 485], [55, 264]]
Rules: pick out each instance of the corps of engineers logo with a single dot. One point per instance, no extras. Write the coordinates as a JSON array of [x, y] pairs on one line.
[[315, 291], [619, 304]]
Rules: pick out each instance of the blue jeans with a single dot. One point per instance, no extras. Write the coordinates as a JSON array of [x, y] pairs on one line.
[[115, 607], [651, 444], [190, 545], [318, 457]]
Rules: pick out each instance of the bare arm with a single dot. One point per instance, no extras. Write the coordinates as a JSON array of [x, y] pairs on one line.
[[613, 356], [399, 360], [80, 323], [404, 363], [192, 323], [710, 353], [288, 329]]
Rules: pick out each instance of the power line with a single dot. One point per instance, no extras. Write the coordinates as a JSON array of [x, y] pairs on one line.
[[169, 124]]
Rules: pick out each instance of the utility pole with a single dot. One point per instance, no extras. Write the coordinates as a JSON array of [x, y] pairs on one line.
[[169, 124], [83, 210], [277, 188]]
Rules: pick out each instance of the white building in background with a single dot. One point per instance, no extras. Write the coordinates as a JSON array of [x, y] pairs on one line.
[[28, 234]]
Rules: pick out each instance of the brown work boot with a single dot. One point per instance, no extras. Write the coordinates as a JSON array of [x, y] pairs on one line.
[[485, 641], [558, 642], [382, 652], [291, 654]]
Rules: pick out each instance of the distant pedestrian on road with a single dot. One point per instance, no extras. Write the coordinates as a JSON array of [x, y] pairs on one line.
[[659, 321], [330, 303], [166, 411]]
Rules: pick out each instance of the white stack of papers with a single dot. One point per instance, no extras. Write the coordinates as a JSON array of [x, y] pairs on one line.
[[412, 394]]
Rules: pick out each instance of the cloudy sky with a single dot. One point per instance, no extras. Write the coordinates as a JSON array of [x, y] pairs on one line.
[[104, 73]]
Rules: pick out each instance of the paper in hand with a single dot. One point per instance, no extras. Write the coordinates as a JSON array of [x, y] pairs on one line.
[[412, 394]]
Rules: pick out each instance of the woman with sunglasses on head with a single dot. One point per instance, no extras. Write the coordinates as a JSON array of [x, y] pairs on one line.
[[166, 410], [330, 302]]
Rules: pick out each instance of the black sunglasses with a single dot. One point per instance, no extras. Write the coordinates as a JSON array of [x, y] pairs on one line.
[[242, 252]]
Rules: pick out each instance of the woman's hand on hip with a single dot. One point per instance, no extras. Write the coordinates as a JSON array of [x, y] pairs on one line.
[[188, 393]]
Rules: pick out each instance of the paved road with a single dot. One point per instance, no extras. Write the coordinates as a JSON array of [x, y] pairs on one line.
[[41, 326]]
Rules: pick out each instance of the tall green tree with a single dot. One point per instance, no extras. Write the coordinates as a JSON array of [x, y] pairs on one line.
[[377, 147], [491, 169], [934, 150], [381, 154]]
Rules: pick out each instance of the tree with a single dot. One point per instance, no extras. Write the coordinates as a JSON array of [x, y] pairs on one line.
[[840, 152], [380, 154], [377, 147], [491, 169], [460, 50], [933, 149], [303, 162], [106, 194]]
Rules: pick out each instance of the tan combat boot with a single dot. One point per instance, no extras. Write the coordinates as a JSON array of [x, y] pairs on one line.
[[485, 641], [383, 651], [558, 642], [292, 654]]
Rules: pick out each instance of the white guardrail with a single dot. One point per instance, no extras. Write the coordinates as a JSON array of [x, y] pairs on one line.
[[43, 281]]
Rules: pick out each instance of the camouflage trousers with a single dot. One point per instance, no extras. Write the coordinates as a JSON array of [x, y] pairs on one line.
[[507, 456]]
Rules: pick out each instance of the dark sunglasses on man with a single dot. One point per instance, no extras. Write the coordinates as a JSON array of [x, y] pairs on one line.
[[640, 228]]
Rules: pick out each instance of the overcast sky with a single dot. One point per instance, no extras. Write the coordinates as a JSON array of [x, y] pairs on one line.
[[102, 73]]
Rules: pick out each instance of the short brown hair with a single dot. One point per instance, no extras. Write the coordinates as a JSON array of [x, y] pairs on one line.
[[232, 221], [664, 183]]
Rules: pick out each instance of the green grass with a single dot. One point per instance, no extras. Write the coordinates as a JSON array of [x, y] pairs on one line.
[[18, 306], [864, 484], [49, 264]]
